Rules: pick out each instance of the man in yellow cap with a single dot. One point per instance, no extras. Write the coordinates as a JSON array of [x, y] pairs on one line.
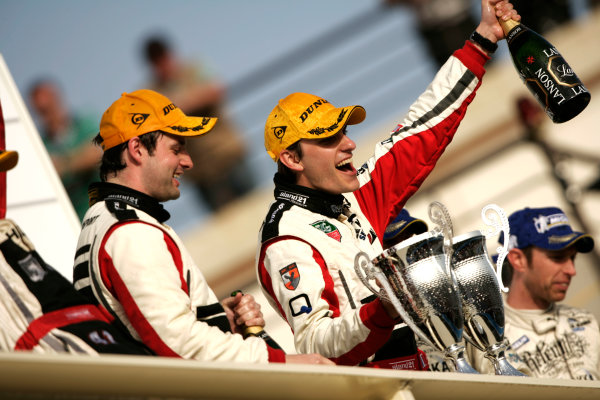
[[326, 212], [134, 265]]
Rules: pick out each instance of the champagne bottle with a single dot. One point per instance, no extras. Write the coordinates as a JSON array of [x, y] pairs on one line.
[[545, 72]]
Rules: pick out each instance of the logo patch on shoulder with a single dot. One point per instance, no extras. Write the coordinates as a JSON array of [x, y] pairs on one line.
[[328, 228], [32, 267], [290, 276]]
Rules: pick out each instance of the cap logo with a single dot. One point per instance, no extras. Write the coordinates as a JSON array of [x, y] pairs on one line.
[[319, 131], [279, 131], [396, 225], [544, 223], [179, 128], [561, 239], [167, 109], [311, 108], [513, 242], [138, 119]]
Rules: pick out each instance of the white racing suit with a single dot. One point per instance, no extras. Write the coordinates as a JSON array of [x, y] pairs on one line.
[[40, 311], [136, 266], [561, 342], [309, 239]]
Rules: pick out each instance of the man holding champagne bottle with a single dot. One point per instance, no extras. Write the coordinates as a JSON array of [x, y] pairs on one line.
[[326, 212]]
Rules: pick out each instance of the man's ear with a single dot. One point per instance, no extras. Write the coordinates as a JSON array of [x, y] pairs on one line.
[[135, 150], [291, 160], [517, 259]]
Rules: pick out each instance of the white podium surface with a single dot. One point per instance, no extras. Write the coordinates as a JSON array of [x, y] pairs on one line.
[[34, 376]]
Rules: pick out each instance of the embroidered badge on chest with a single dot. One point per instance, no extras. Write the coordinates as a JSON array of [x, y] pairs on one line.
[[290, 276], [328, 228], [519, 342]]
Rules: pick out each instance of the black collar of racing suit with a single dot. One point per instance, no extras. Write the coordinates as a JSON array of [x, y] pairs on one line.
[[330, 205], [101, 191]]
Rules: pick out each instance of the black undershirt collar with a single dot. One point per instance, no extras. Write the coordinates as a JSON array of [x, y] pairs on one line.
[[101, 191], [330, 205]]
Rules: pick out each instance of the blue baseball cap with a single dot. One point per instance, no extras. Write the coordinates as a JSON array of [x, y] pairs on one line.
[[547, 228], [404, 223]]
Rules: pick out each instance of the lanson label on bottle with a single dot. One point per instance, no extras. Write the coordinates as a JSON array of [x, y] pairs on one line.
[[545, 72], [549, 80]]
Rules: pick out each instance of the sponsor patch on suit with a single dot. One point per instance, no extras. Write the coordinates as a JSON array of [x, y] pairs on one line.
[[290, 276]]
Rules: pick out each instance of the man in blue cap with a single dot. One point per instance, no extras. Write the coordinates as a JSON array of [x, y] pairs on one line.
[[401, 228], [548, 340]]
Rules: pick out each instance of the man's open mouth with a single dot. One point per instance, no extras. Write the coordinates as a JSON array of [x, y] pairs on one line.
[[345, 165]]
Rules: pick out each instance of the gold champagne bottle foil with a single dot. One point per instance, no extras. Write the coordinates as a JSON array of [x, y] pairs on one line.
[[508, 25], [252, 330]]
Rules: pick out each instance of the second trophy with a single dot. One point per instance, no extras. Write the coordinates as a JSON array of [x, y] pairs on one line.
[[479, 288]]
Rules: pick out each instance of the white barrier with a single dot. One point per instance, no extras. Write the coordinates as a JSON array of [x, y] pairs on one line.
[[33, 376]]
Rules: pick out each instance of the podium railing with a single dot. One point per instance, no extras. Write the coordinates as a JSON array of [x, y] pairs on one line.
[[34, 376]]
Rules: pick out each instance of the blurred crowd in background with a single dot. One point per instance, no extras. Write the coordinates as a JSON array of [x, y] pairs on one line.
[[222, 173]]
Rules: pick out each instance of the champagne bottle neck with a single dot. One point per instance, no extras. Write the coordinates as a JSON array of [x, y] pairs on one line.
[[252, 331], [508, 25]]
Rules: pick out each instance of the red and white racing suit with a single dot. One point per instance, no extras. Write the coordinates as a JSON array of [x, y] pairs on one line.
[[134, 265], [309, 239]]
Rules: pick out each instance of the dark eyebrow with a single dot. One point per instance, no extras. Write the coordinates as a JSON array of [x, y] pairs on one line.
[[180, 140]]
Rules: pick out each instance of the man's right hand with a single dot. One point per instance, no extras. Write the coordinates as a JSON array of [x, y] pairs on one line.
[[307, 359]]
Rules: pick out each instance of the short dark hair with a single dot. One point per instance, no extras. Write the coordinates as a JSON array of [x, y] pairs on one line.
[[112, 161], [155, 49], [283, 170]]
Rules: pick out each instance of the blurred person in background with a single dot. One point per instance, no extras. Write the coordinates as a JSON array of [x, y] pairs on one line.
[[443, 24], [133, 264], [221, 174], [327, 214], [547, 339], [68, 137], [544, 15]]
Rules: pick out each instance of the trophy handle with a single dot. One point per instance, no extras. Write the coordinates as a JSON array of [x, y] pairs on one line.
[[472, 341], [364, 270], [495, 219], [439, 215]]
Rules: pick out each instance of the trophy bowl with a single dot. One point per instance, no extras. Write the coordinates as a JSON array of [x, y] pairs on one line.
[[482, 304], [412, 274]]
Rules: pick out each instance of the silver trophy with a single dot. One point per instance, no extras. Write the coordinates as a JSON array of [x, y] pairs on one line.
[[479, 289], [413, 278]]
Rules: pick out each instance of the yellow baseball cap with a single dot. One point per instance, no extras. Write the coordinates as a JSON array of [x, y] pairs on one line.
[[143, 111], [8, 160], [306, 116]]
